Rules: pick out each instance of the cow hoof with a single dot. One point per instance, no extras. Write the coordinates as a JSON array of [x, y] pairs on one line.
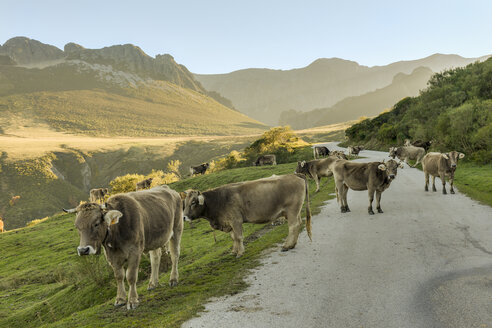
[[371, 212], [343, 209], [444, 192], [119, 303], [239, 255], [380, 210], [152, 287], [173, 283], [452, 191], [132, 305], [426, 189], [347, 209]]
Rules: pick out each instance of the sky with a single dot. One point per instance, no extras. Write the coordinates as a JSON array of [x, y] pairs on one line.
[[225, 35]]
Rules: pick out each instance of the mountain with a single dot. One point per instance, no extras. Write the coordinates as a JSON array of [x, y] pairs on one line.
[[68, 89], [264, 93], [368, 104]]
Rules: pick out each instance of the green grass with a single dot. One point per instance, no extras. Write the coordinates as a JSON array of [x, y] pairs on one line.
[[44, 284], [475, 181]]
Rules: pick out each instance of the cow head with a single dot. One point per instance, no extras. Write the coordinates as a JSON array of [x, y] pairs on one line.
[[93, 222], [452, 158], [194, 204], [390, 167], [105, 191], [302, 168], [392, 152]]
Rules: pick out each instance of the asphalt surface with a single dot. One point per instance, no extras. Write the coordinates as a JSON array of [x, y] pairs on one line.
[[425, 262]]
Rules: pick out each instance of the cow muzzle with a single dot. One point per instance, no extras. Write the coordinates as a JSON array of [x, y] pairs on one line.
[[86, 250], [392, 176], [186, 218], [453, 166]]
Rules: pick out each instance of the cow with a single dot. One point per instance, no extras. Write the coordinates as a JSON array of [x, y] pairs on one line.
[[355, 150], [199, 169], [97, 195], [338, 153], [227, 207], [1, 226], [144, 184], [265, 159], [407, 152], [419, 143], [442, 166], [127, 225], [373, 177], [316, 169], [319, 151]]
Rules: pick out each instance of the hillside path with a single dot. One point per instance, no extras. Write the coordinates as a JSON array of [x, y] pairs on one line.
[[425, 262]]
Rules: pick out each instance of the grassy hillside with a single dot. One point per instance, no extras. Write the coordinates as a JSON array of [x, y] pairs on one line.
[[264, 93], [44, 284], [368, 104]]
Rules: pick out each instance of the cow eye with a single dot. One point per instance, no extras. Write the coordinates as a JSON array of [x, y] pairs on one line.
[[96, 224]]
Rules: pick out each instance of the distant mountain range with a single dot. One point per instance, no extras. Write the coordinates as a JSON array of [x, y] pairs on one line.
[[265, 93], [143, 96]]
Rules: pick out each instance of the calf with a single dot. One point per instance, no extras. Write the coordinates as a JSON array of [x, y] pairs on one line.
[[375, 177], [442, 166], [144, 184], [97, 195], [200, 169], [259, 201], [128, 225], [316, 169], [407, 152], [320, 151], [265, 159], [355, 150]]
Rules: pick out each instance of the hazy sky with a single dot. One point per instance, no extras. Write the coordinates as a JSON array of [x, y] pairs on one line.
[[222, 36]]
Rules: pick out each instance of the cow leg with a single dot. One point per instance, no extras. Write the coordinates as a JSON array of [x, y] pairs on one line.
[[234, 243], [294, 222], [237, 229], [155, 263], [345, 192], [131, 277], [174, 244], [443, 178], [378, 201], [119, 274], [339, 189], [451, 180], [434, 183], [426, 181], [371, 198], [316, 179]]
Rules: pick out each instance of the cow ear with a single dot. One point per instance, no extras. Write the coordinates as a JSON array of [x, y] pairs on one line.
[[401, 165], [382, 167], [112, 217], [183, 195], [461, 155], [445, 156], [201, 199]]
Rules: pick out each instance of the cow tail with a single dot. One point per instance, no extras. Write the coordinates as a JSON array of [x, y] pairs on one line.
[[308, 210]]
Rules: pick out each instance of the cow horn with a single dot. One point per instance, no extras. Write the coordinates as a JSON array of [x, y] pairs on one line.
[[103, 206], [72, 210]]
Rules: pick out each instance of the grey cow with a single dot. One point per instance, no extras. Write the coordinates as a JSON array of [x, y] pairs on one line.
[[442, 166], [128, 225], [405, 153]]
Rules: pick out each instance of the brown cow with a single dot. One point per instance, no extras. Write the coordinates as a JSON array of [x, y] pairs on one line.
[[316, 169], [128, 225], [144, 184], [338, 153], [227, 207], [265, 159], [407, 152], [355, 150], [442, 166], [373, 177], [199, 169], [319, 151], [97, 195]]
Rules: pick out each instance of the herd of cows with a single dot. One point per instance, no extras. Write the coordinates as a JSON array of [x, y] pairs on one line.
[[146, 220]]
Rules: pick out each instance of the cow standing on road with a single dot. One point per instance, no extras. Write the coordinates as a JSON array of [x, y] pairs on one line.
[[199, 169], [320, 151], [227, 207], [407, 152], [355, 150], [97, 195], [128, 225], [442, 166], [375, 177], [316, 169]]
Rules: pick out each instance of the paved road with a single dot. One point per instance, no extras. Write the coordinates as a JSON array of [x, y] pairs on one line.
[[425, 262]]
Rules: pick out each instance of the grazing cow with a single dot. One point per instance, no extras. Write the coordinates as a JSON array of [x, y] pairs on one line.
[[418, 143], [319, 151], [227, 207], [407, 152], [200, 169], [1, 226], [97, 195], [338, 153], [128, 225], [373, 177], [355, 150], [144, 184], [442, 166], [316, 169], [265, 159]]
